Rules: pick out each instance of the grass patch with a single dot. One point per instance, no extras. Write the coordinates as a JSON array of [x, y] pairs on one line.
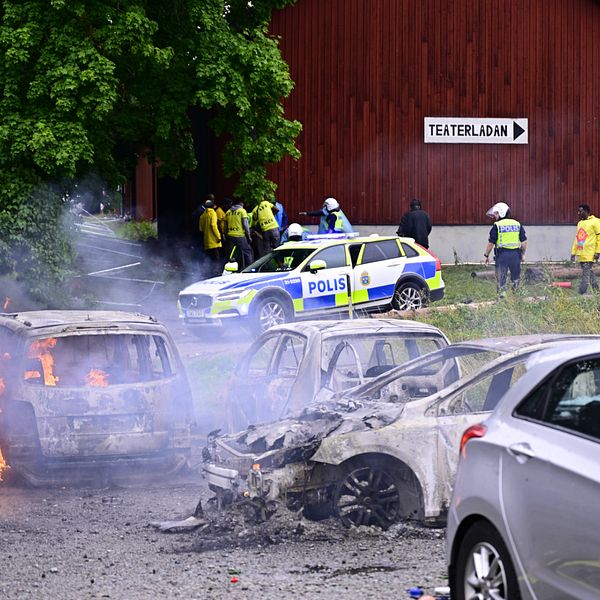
[[208, 376], [557, 311]]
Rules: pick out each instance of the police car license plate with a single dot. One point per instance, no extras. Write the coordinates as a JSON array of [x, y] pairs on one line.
[[196, 313]]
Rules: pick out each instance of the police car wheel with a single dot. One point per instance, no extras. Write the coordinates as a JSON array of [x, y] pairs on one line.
[[267, 313], [408, 296]]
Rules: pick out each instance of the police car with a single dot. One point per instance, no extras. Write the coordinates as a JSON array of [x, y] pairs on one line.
[[317, 277]]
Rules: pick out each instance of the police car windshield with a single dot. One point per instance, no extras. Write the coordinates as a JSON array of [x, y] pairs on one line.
[[282, 259]]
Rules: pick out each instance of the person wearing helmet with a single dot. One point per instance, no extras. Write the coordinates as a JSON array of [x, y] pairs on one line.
[[415, 224], [333, 219], [508, 240], [294, 233]]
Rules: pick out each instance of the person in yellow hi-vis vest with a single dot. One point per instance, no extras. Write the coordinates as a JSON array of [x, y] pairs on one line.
[[508, 240], [264, 222], [586, 247], [211, 237], [237, 230]]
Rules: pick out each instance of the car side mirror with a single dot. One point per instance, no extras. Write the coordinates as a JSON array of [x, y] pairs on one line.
[[231, 267], [317, 265]]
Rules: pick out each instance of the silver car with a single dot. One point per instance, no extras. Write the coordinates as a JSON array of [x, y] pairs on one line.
[[524, 520]]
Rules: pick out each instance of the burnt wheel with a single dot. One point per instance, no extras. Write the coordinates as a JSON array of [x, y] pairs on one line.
[[267, 313], [408, 296], [368, 495]]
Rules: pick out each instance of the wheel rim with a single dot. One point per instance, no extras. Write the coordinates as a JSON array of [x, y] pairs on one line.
[[409, 298], [271, 314], [368, 496], [485, 574]]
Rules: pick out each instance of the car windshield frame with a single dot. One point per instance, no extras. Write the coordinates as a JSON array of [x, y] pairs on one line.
[[280, 260]]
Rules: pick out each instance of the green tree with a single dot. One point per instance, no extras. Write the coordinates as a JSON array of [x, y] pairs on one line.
[[90, 85]]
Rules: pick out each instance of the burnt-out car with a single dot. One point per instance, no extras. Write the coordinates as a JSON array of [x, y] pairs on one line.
[[289, 365], [380, 452], [88, 395]]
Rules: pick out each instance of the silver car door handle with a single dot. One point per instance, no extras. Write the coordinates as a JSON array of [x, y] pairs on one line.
[[521, 450]]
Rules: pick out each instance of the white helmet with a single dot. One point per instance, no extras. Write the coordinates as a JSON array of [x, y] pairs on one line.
[[499, 209], [294, 230], [331, 204]]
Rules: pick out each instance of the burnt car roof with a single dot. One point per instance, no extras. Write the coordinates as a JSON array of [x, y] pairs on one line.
[[72, 320], [363, 325]]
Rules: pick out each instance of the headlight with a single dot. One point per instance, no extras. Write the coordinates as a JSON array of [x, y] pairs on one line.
[[237, 295]]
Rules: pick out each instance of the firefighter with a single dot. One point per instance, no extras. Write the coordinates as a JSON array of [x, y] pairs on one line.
[[508, 240], [333, 219]]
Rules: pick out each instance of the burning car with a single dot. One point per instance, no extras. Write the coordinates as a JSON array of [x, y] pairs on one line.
[[380, 452], [91, 394], [288, 365]]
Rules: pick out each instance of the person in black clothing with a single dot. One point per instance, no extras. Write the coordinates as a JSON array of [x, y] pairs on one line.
[[415, 224]]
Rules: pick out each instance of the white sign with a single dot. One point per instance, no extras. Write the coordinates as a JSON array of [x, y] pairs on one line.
[[444, 130]]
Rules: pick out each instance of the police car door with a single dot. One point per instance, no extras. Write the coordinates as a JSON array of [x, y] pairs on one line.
[[376, 271], [326, 289]]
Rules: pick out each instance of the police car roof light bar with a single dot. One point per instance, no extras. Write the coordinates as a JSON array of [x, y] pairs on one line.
[[331, 236]]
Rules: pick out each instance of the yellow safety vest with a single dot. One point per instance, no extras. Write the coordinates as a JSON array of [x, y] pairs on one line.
[[264, 217], [508, 234], [235, 227]]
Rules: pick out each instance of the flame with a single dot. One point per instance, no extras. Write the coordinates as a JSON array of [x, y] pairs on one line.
[[32, 375], [97, 378], [3, 465], [6, 304], [4, 357], [41, 349]]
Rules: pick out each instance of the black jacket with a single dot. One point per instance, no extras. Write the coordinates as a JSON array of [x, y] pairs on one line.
[[416, 224]]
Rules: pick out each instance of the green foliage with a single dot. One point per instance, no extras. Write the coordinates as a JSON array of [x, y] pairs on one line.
[[92, 85], [138, 230]]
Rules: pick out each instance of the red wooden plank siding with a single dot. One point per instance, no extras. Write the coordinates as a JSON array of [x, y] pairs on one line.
[[368, 72]]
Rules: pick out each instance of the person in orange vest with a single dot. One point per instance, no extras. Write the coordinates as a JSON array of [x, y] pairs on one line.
[[586, 247], [211, 237]]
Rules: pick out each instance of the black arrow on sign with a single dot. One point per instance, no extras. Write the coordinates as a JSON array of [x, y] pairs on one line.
[[517, 130]]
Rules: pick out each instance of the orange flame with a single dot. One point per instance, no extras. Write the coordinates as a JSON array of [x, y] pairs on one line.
[[2, 386], [6, 304], [97, 378], [41, 349], [32, 375], [3, 465]]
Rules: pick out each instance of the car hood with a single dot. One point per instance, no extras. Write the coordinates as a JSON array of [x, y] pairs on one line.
[[312, 425], [231, 282]]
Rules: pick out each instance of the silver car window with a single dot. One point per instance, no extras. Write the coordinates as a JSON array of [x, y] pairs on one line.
[[571, 400]]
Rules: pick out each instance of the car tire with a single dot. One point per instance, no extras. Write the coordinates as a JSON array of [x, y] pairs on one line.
[[268, 312], [408, 296], [494, 577], [368, 494]]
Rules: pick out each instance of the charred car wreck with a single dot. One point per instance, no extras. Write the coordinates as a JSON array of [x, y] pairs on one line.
[[380, 452], [88, 395]]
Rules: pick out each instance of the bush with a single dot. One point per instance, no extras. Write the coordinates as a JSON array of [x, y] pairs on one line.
[[139, 231]]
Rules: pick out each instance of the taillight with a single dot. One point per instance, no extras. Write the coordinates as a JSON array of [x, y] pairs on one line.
[[475, 431], [438, 264]]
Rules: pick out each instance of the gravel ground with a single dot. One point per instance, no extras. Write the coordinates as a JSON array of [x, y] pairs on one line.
[[98, 543]]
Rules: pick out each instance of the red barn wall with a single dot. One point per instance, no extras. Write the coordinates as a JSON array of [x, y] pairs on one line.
[[367, 73]]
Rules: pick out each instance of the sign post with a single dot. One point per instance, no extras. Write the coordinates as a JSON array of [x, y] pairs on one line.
[[455, 130]]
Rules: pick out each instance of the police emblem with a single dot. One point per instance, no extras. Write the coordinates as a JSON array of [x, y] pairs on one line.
[[364, 278]]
